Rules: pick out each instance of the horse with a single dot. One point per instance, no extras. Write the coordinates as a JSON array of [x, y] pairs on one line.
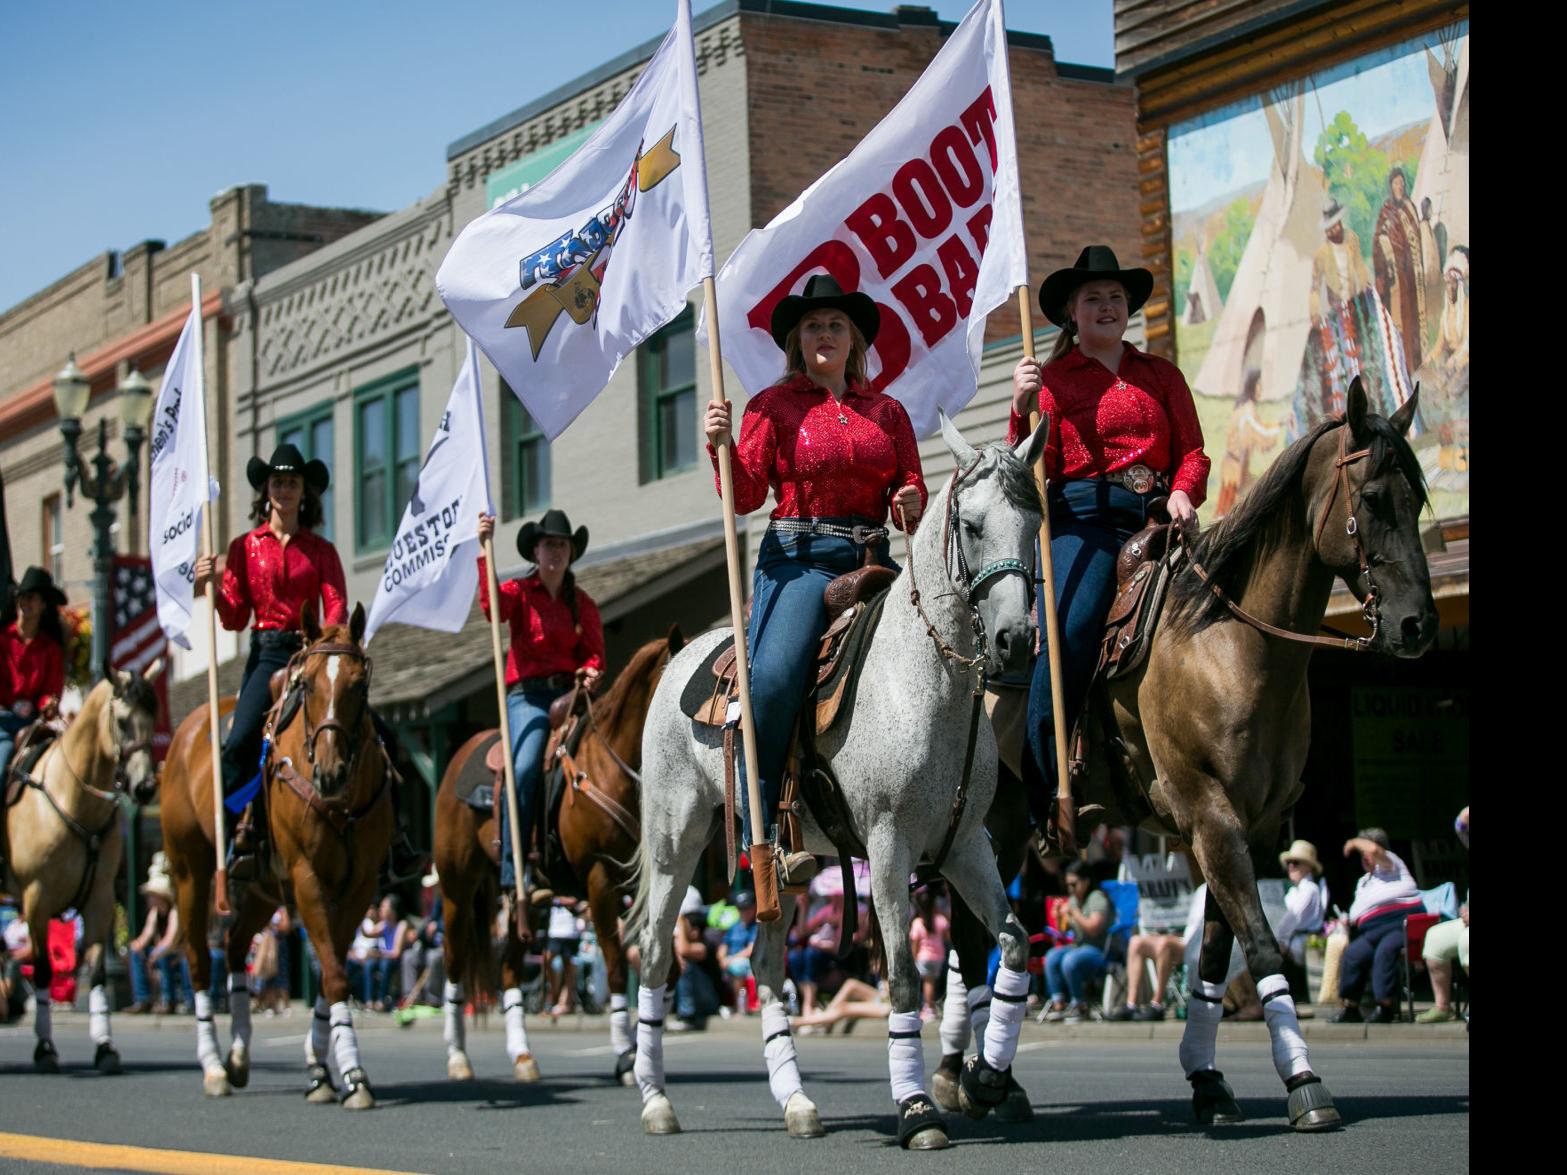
[[328, 834], [65, 841], [915, 788], [599, 830]]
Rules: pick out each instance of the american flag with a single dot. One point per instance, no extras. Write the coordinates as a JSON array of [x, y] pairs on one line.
[[136, 639]]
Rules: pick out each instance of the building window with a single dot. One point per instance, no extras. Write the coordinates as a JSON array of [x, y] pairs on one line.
[[311, 433], [525, 459], [667, 422], [54, 538], [386, 456]]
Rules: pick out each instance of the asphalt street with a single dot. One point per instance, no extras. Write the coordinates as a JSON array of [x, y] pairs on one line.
[[1105, 1100]]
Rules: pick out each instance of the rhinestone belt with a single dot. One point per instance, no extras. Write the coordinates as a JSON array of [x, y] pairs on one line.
[[863, 535]]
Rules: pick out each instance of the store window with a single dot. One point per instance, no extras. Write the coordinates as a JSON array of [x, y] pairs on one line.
[[386, 456], [311, 433], [667, 420], [525, 459]]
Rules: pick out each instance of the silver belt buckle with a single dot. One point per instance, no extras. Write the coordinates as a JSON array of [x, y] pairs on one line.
[[862, 534], [1138, 478]]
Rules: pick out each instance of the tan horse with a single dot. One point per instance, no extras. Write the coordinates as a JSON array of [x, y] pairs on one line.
[[330, 820], [65, 840], [599, 828]]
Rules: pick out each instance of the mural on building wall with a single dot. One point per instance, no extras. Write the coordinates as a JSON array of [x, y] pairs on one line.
[[1322, 229]]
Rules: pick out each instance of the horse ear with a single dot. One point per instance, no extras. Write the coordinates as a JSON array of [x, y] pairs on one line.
[[1029, 449], [1357, 408], [961, 449], [1405, 416], [308, 624], [155, 670], [676, 639], [356, 623]]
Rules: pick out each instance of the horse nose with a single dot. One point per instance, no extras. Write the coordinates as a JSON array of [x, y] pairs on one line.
[[1010, 647], [1418, 631]]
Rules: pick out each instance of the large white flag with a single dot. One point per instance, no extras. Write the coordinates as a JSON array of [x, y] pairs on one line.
[[558, 284], [180, 479], [431, 577], [924, 215]]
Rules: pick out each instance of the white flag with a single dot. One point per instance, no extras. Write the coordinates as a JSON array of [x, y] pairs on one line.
[[924, 215], [180, 481], [558, 284], [431, 577]]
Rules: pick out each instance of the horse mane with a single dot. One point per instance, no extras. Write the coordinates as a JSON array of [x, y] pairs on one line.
[[1016, 478], [640, 665], [139, 694]]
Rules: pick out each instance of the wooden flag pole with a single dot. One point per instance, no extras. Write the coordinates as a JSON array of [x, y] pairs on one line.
[[517, 833], [763, 872]]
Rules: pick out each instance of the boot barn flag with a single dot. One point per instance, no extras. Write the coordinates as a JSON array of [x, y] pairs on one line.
[[924, 215], [558, 284]]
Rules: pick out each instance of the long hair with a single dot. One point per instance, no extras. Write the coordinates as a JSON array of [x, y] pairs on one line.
[[853, 368], [310, 511], [49, 624]]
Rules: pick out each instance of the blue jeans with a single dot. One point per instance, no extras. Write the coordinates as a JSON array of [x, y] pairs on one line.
[[695, 997], [141, 988], [10, 727], [529, 716], [788, 618], [1089, 520], [1070, 969]]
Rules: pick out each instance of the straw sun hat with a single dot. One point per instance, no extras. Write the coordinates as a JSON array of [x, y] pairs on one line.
[[1305, 852]]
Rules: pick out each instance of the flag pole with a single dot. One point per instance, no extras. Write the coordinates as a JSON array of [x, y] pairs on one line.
[[492, 586], [763, 873]]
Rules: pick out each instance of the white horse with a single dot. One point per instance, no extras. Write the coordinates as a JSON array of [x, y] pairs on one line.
[[899, 759]]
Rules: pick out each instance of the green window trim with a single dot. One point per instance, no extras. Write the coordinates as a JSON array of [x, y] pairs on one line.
[[527, 481], [307, 429], [666, 401], [387, 452]]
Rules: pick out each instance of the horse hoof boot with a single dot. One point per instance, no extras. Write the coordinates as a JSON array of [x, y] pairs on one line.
[[45, 1059], [1311, 1105], [458, 1067], [981, 1087], [658, 1116], [1213, 1101], [527, 1068], [944, 1083], [215, 1083], [626, 1068], [1015, 1107], [237, 1066], [920, 1124], [801, 1118], [106, 1060], [357, 1093], [321, 1091]]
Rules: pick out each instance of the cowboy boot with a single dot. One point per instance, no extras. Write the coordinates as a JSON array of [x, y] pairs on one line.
[[796, 869], [403, 861], [243, 862]]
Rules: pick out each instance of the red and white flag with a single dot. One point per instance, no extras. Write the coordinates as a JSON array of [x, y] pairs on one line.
[[924, 215]]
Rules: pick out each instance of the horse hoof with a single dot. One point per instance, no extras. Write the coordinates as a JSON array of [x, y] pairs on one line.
[[321, 1091], [358, 1095], [1015, 1107], [801, 1118], [1213, 1101], [944, 1083], [920, 1125], [1311, 1106], [45, 1059], [526, 1068], [458, 1068], [626, 1068], [106, 1060], [658, 1116], [216, 1084], [982, 1087], [237, 1066]]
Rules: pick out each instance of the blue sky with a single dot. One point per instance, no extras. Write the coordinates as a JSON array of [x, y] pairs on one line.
[[123, 119]]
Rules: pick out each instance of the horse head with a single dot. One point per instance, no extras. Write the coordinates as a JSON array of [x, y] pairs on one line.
[[125, 728], [992, 517], [333, 679], [1367, 497]]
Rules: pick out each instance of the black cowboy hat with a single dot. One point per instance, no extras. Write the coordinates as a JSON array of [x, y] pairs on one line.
[[822, 292], [288, 459], [36, 579], [554, 525], [1094, 264]]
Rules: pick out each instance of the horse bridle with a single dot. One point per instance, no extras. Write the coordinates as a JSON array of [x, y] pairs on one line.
[[296, 677]]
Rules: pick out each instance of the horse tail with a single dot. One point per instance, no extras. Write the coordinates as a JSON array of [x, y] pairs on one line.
[[875, 941], [469, 932], [637, 874]]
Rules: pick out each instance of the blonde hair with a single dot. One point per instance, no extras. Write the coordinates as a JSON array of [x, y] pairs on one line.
[[853, 368]]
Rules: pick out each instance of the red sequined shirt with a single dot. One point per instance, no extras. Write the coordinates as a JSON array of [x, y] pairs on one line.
[[35, 668], [1102, 421], [823, 458], [545, 640], [263, 576]]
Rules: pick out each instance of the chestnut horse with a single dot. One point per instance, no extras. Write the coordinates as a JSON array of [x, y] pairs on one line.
[[330, 821], [599, 826]]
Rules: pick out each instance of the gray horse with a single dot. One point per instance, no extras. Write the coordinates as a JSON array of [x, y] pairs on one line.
[[899, 759]]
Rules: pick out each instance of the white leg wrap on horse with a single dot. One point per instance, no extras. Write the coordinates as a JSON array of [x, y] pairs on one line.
[[979, 1010], [456, 1031], [43, 1020], [345, 1045], [905, 1058], [650, 1042], [1203, 1012], [954, 1010], [619, 1025], [318, 1043], [1009, 1002], [783, 1070], [206, 1034], [516, 1030], [98, 1014], [239, 1010], [1278, 1009]]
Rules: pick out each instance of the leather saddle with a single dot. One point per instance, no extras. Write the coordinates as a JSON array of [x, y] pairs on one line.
[[31, 743]]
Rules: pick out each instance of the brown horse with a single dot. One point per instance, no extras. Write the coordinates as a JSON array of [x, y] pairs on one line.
[[599, 827], [65, 840], [329, 815]]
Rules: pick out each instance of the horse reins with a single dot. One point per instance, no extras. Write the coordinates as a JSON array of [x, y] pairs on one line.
[[576, 778]]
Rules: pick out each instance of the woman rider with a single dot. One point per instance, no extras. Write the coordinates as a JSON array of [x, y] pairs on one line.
[[837, 454], [34, 651], [271, 573], [555, 634], [1123, 430]]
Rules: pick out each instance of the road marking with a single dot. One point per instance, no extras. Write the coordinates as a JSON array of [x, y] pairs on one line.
[[95, 1155], [608, 1050], [279, 1041]]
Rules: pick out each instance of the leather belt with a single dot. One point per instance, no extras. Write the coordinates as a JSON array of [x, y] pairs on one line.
[[536, 685], [277, 638], [1140, 479], [858, 533]]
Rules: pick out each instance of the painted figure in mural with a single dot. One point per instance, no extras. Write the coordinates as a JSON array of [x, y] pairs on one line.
[[1444, 400], [1433, 248], [1248, 433], [1399, 262]]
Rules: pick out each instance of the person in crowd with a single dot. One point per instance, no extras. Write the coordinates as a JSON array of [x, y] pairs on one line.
[[812, 961], [1123, 431], [387, 953], [856, 999], [839, 455], [560, 950], [32, 650], [1445, 942], [556, 638], [361, 954], [696, 991], [1071, 967], [423, 958], [159, 943], [1305, 910], [272, 991], [734, 953], [1384, 897], [1164, 946], [928, 935]]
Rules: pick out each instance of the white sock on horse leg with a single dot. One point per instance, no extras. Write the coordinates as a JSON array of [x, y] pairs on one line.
[[239, 1010], [650, 1042], [1010, 1001], [317, 1044], [43, 1019], [619, 1025], [979, 1010], [206, 1034], [516, 1030], [954, 1010], [98, 1014], [1203, 1012], [1278, 1009], [455, 1032], [345, 1045], [783, 1068], [905, 1058]]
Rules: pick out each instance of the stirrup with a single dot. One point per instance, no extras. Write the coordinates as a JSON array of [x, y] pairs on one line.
[[403, 861], [796, 869]]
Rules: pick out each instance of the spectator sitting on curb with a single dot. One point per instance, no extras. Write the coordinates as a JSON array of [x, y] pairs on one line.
[[1384, 897], [1305, 908], [734, 953], [696, 991], [1071, 967], [1445, 942]]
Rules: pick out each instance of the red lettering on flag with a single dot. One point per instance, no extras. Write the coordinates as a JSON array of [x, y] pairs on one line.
[[979, 120], [922, 296], [924, 201], [957, 165], [962, 272], [886, 237], [833, 256]]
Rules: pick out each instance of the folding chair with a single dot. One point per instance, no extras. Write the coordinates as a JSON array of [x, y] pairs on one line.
[[1123, 896], [1415, 928]]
